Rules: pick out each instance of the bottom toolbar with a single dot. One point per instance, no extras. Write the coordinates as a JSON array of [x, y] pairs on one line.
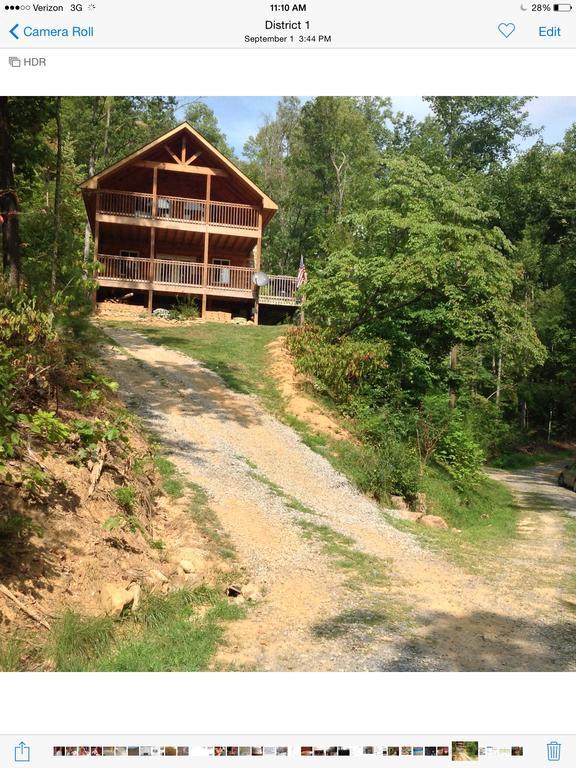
[[529, 751]]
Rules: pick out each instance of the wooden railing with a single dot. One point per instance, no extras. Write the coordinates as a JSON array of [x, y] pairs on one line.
[[139, 205], [230, 278], [168, 272], [280, 289], [124, 268], [171, 273]]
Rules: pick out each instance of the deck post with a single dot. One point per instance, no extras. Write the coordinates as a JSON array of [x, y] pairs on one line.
[[151, 269], [95, 264], [258, 265], [153, 240], [206, 245]]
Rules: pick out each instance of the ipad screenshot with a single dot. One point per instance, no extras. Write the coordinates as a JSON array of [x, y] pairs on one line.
[[287, 381]]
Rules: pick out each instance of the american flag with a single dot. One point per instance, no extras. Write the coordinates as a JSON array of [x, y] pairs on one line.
[[302, 274]]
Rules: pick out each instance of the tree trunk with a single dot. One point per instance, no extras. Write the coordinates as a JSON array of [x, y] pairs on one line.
[[57, 198], [8, 201], [87, 246], [452, 393], [499, 377]]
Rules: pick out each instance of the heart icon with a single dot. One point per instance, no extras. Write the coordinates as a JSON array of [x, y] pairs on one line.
[[506, 29]]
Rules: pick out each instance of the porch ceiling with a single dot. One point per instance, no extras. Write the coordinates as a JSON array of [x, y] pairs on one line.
[[180, 238]]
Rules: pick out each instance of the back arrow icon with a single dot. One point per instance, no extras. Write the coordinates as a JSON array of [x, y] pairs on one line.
[[13, 31]]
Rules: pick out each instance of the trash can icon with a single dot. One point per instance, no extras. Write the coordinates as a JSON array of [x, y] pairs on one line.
[[553, 751]]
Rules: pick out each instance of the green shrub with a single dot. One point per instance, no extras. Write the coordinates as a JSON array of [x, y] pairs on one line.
[[186, 309], [348, 370], [390, 469], [47, 425], [126, 498], [460, 455]]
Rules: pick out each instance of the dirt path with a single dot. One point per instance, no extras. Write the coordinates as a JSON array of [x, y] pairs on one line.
[[327, 604]]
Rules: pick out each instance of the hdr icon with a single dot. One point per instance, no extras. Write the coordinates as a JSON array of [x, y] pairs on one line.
[[16, 61]]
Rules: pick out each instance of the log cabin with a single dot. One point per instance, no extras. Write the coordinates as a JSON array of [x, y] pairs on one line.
[[177, 218]]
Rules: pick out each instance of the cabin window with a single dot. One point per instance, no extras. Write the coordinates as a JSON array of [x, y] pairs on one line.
[[129, 267], [221, 271]]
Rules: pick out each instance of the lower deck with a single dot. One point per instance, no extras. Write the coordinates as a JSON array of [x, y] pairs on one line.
[[220, 279]]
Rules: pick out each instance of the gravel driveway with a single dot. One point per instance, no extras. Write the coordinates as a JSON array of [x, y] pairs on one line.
[[270, 491]]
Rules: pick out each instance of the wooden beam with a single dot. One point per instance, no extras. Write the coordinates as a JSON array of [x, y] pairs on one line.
[[155, 193], [206, 241], [191, 159], [258, 266], [151, 270], [180, 168], [192, 226], [183, 150], [175, 157]]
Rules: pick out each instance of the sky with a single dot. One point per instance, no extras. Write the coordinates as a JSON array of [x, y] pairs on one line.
[[240, 116]]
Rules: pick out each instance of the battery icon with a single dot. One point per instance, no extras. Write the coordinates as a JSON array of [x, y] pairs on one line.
[[562, 7]]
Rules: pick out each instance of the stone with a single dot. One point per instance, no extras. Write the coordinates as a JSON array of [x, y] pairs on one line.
[[399, 502], [190, 559], [158, 576], [136, 592], [420, 504], [433, 521], [251, 592], [114, 599]]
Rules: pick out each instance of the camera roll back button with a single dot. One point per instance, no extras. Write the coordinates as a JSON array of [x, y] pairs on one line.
[[544, 31]]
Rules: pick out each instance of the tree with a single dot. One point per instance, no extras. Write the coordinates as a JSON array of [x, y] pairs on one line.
[[424, 270], [9, 212], [203, 119], [480, 131]]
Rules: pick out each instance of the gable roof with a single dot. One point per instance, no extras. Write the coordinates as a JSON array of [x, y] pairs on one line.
[[268, 204]]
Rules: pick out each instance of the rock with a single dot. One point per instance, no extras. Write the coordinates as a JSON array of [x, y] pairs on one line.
[[399, 502], [114, 598], [251, 592], [158, 576], [136, 591], [433, 521], [190, 559], [420, 504]]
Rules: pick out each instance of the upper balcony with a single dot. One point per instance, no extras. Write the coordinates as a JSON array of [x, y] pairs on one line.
[[178, 212]]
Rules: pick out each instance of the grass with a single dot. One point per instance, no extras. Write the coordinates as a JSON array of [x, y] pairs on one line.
[[275, 489], [362, 569], [176, 632], [208, 523], [236, 353], [11, 652], [523, 460], [173, 484]]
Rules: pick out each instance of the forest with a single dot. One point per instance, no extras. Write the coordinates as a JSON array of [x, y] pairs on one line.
[[440, 309]]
